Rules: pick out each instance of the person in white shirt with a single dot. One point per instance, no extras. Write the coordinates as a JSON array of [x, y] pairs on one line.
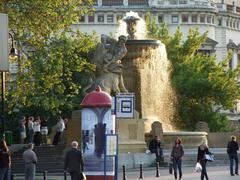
[[30, 160], [60, 129], [37, 132]]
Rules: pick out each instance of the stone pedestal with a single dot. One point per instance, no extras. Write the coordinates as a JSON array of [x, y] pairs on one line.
[[131, 135]]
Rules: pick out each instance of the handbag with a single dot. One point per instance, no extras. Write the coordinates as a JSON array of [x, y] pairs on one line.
[[83, 176], [209, 157], [198, 167]]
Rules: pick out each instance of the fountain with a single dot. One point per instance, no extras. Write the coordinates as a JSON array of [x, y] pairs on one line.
[[147, 73]]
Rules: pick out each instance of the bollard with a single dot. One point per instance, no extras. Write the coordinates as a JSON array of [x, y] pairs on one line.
[[65, 175], [124, 173], [141, 172], [45, 175], [157, 169], [12, 176]]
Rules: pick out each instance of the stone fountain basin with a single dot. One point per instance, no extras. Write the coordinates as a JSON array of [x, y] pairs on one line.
[[189, 139]]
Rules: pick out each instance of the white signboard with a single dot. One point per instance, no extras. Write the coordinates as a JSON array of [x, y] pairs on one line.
[[125, 105], [111, 147], [4, 64]]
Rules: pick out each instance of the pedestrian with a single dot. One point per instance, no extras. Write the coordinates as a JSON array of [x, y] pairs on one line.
[[22, 128], [177, 156], [74, 161], [37, 132], [60, 129], [30, 129], [202, 150], [232, 149], [155, 147], [44, 131], [30, 160], [5, 161]]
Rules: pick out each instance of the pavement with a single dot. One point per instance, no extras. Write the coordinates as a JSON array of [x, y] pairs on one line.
[[214, 173]]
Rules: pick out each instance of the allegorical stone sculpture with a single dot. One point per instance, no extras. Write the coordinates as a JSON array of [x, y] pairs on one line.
[[107, 59]]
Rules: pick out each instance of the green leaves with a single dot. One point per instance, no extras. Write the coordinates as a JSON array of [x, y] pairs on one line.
[[51, 82], [203, 85], [37, 20]]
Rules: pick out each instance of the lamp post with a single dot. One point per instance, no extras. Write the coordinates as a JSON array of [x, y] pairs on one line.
[[12, 54]]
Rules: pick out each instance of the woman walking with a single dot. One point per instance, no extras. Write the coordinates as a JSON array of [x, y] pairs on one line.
[[176, 157], [5, 161], [202, 150]]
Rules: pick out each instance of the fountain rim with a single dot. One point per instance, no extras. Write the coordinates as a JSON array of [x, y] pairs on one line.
[[143, 42]]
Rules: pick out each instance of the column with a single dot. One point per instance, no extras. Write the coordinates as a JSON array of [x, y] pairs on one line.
[[99, 2]]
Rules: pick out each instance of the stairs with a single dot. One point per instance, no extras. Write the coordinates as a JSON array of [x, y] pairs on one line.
[[50, 158]]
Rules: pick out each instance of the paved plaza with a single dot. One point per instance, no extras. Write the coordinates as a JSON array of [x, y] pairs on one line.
[[215, 173]]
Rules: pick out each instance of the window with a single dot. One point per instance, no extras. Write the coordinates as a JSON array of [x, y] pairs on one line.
[[160, 18], [137, 2], [184, 18], [219, 22], [183, 1], [227, 23], [95, 2], [209, 19], [202, 19], [194, 18], [213, 20], [90, 18], [231, 23], [112, 2], [100, 18], [82, 19], [110, 18], [174, 18], [173, 1]]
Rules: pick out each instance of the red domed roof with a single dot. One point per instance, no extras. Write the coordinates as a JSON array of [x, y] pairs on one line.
[[97, 98]]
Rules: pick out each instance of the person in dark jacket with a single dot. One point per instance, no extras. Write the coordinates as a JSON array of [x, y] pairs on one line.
[[5, 161], [155, 147], [202, 150], [232, 149], [74, 161], [176, 157]]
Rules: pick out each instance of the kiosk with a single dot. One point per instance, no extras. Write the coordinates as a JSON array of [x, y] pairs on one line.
[[99, 141]]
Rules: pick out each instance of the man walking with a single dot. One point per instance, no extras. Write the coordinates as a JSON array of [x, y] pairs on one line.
[[30, 160], [232, 149], [74, 161]]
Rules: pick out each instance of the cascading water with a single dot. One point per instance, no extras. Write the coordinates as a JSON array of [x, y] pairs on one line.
[[147, 73]]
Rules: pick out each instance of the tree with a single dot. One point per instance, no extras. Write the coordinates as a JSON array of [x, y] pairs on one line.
[[51, 81], [36, 20], [204, 87]]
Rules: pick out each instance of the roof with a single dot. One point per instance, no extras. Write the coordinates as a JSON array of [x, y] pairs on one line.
[[97, 98]]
